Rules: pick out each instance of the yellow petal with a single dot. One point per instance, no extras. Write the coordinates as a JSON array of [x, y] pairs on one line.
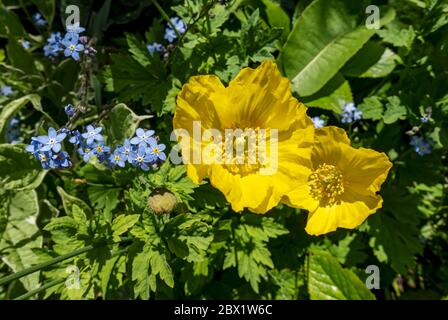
[[262, 97], [300, 198], [328, 145], [364, 169], [350, 213], [196, 102]]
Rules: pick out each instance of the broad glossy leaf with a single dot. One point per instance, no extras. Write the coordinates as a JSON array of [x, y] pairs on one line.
[[8, 111], [333, 96], [18, 169], [277, 17], [122, 123], [328, 280], [69, 201], [372, 61], [10, 24], [322, 40]]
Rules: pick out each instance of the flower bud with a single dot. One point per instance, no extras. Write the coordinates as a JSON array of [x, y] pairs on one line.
[[162, 201]]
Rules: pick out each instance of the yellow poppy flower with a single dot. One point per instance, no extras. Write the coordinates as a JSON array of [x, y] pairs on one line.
[[258, 102], [342, 183]]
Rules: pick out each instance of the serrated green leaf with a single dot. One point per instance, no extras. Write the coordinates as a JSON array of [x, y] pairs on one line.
[[123, 223], [395, 231], [21, 236], [372, 108], [394, 110], [140, 274], [61, 223]]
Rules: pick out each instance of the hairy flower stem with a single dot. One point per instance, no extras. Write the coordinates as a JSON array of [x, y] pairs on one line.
[[83, 92], [43, 265]]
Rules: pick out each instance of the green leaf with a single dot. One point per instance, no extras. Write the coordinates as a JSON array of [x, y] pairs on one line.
[[10, 25], [20, 57], [69, 201], [122, 123], [81, 219], [277, 17], [18, 168], [322, 40], [394, 110], [22, 235], [372, 61], [372, 108], [47, 8], [65, 222], [140, 275], [160, 266], [105, 274], [395, 230], [100, 20], [398, 37], [123, 223], [327, 280], [13, 107], [333, 96], [104, 198]]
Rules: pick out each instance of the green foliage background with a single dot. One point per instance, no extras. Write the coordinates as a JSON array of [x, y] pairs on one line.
[[203, 250]]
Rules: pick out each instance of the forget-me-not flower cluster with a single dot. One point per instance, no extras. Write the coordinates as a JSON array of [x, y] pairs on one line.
[[318, 122], [170, 34], [48, 150], [71, 45], [421, 146], [13, 131], [6, 91], [350, 113], [39, 20], [141, 151]]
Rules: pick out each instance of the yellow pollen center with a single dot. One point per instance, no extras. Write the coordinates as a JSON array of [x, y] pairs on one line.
[[117, 158], [155, 150], [72, 47], [246, 155], [99, 149], [326, 184]]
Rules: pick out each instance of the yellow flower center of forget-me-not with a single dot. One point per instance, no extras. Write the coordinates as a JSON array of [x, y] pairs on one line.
[[72, 47], [326, 184]]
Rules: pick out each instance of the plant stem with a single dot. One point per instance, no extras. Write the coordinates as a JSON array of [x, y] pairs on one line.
[[43, 265], [40, 289], [166, 17]]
